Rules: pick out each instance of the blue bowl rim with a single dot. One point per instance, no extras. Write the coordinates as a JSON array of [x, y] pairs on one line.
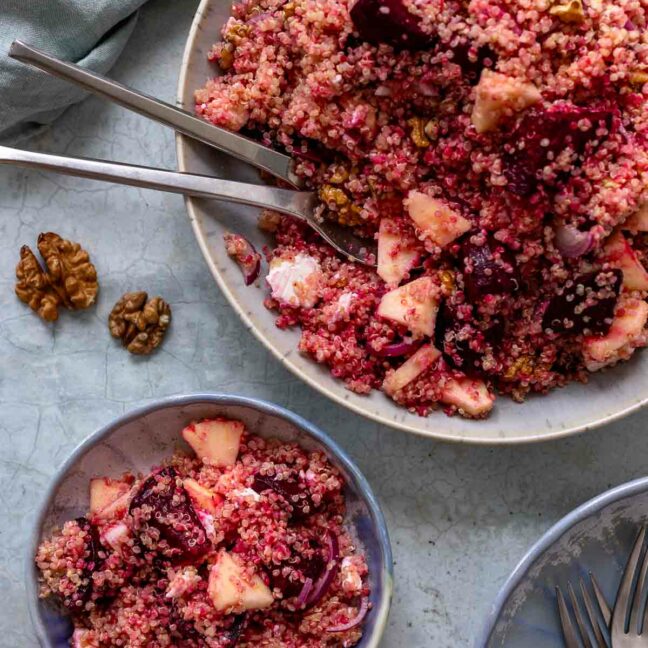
[[582, 512], [258, 404]]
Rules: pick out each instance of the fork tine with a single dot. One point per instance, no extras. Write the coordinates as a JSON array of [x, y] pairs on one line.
[[620, 612], [600, 599], [585, 638], [591, 613], [638, 597], [569, 632]]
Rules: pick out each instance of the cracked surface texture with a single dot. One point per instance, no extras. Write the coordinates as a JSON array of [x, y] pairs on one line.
[[460, 518]]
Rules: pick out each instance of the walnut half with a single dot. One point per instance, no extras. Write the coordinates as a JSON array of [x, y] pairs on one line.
[[138, 323], [69, 278], [34, 287], [70, 270]]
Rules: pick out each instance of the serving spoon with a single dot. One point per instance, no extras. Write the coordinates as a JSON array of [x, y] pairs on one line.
[[301, 204]]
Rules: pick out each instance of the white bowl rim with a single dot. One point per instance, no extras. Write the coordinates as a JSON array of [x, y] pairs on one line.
[[436, 432], [260, 405], [549, 538]]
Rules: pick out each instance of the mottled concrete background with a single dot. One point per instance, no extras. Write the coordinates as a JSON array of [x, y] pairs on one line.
[[460, 518]]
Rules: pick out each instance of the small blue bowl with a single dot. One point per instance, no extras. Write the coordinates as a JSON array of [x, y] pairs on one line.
[[596, 537], [142, 438]]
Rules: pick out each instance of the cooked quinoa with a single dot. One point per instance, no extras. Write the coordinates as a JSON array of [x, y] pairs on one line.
[[497, 151], [242, 545]]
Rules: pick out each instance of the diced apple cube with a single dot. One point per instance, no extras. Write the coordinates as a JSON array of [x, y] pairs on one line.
[[104, 492], [469, 395], [435, 220], [232, 588], [499, 96], [215, 441], [411, 369], [201, 497], [397, 254], [415, 305], [638, 222], [619, 253], [625, 334]]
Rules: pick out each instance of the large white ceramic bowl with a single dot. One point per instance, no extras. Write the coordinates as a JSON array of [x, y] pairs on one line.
[[608, 396]]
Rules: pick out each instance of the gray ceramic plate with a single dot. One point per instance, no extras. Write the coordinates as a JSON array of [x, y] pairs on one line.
[[597, 537], [578, 407], [142, 438]]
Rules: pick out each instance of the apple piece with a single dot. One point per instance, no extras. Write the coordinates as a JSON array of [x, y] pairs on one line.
[[201, 497], [624, 336], [469, 395], [415, 305], [436, 221], [104, 492], [499, 96], [411, 369], [618, 252], [638, 222], [215, 441], [397, 253], [232, 588]]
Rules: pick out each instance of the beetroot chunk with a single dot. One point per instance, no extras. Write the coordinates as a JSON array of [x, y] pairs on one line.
[[585, 304], [390, 22], [164, 505], [290, 489], [543, 134], [489, 269]]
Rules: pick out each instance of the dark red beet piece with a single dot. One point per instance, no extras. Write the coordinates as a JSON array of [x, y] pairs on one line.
[[311, 568], [585, 303], [453, 336], [289, 490], [558, 127], [165, 506], [489, 269], [93, 545], [390, 22]]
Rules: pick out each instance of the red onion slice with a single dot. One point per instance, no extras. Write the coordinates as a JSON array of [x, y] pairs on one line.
[[324, 581], [245, 254], [305, 591], [356, 621], [396, 349], [573, 243]]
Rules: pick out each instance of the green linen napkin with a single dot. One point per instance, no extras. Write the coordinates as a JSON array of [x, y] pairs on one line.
[[91, 33]]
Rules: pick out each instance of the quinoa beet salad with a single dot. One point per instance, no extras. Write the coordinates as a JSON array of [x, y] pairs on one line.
[[496, 150], [241, 545]]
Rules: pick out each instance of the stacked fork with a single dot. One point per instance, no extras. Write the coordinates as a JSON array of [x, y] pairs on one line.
[[629, 627]]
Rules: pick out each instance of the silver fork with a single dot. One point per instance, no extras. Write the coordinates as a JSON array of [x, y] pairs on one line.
[[301, 204], [579, 635], [632, 632]]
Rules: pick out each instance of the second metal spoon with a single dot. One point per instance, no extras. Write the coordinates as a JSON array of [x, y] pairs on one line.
[[301, 204]]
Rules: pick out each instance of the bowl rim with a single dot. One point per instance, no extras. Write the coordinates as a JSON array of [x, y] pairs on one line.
[[266, 407], [436, 430], [550, 537]]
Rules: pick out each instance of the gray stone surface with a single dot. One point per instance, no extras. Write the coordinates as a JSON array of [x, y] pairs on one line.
[[460, 517]]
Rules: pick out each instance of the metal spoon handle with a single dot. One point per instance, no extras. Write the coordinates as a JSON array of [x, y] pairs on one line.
[[262, 157], [296, 203]]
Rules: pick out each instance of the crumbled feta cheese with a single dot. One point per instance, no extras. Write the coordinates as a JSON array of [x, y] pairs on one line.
[[183, 582], [351, 579], [247, 492], [295, 281]]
